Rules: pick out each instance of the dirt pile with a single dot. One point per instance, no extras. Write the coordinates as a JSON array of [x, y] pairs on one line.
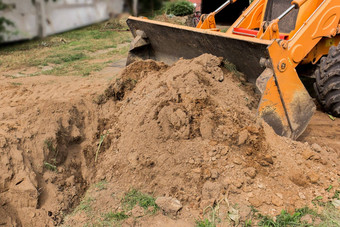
[[188, 131]]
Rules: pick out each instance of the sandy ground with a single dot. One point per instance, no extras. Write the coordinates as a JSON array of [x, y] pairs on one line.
[[187, 132]]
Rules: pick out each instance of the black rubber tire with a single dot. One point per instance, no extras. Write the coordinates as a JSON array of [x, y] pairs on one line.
[[327, 85]]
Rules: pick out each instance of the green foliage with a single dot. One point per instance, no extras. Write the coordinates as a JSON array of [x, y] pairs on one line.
[[134, 197], [336, 194], [247, 223], [50, 166], [179, 8], [85, 205], [102, 137], [330, 216], [286, 219], [63, 58], [118, 216], [205, 223], [69, 53], [101, 185], [49, 145]]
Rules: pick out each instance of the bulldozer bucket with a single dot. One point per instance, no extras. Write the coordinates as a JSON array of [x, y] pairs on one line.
[[168, 43], [285, 105]]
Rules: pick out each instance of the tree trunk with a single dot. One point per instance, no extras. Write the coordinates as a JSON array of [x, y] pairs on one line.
[[135, 7]]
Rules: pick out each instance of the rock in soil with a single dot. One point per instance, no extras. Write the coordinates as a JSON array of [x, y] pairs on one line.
[[169, 205]]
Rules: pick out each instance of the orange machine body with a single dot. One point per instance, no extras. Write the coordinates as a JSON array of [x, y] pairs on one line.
[[285, 102]]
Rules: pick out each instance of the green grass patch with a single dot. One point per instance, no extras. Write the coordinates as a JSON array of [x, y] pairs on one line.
[[69, 53], [330, 216], [66, 57], [205, 223], [50, 167], [16, 84], [115, 216], [135, 197], [85, 205], [336, 194], [230, 67], [101, 185], [49, 145]]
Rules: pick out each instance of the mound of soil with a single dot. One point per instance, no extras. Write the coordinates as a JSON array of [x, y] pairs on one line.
[[188, 131]]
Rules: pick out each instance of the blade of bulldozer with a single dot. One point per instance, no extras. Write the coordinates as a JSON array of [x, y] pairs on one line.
[[168, 43], [285, 104]]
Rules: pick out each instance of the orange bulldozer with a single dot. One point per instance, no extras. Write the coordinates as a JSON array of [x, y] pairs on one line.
[[269, 42]]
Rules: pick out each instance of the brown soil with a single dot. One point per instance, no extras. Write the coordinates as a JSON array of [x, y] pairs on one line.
[[188, 131]]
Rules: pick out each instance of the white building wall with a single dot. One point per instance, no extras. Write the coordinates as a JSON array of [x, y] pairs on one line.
[[47, 18]]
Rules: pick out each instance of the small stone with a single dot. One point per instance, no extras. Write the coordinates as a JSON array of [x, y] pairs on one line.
[[317, 157], [277, 201], [307, 219], [214, 174], [225, 151], [137, 211], [302, 196], [196, 170], [298, 178], [237, 161], [336, 203], [243, 136], [255, 201], [307, 154], [206, 173], [313, 177], [251, 172], [221, 78], [268, 158], [169, 205], [238, 183], [323, 161], [317, 148], [213, 159], [191, 161], [213, 143]]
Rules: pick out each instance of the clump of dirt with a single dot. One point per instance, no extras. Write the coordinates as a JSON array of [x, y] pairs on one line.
[[188, 131]]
